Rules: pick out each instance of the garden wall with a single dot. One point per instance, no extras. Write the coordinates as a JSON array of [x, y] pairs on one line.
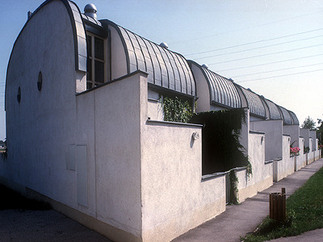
[[175, 196], [285, 166], [262, 174]]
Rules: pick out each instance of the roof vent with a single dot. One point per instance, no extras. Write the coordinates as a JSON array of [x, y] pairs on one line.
[[29, 14], [90, 10], [205, 66], [164, 45]]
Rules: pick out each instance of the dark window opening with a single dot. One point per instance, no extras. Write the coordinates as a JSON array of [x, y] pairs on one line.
[[40, 81], [19, 95], [96, 64]]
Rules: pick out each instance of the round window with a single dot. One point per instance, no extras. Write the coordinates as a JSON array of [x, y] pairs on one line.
[[40, 81], [19, 95]]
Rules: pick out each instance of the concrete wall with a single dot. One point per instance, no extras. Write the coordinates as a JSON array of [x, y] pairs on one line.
[[42, 126], [262, 174], [112, 135], [273, 130], [317, 152], [301, 159], [313, 136], [286, 165], [174, 197], [310, 155], [294, 132]]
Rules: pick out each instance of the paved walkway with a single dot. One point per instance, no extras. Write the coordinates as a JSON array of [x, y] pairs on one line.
[[238, 220], [43, 225]]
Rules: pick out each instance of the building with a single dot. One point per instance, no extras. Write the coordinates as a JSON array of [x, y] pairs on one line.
[[85, 128]]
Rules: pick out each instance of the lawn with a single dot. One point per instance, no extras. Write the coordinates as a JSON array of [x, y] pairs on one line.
[[304, 213]]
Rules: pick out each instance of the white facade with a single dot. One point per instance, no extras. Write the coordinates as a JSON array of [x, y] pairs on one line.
[[103, 155]]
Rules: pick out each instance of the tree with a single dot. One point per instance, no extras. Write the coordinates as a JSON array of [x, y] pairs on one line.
[[309, 124], [319, 131]]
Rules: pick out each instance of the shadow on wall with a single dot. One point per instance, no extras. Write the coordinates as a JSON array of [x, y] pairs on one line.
[[221, 149]]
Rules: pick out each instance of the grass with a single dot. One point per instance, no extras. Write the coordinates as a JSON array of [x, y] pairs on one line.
[[10, 199], [304, 213]]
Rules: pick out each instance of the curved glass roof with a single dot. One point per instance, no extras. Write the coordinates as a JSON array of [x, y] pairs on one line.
[[286, 116], [165, 68], [294, 117], [274, 112], [222, 90], [255, 104], [170, 70]]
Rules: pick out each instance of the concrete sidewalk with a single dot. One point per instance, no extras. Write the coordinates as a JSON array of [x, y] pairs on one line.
[[43, 225], [238, 220]]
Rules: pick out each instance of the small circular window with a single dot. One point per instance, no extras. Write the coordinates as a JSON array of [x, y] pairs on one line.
[[19, 95], [40, 81]]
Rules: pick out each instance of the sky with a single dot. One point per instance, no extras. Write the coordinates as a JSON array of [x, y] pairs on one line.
[[273, 47]]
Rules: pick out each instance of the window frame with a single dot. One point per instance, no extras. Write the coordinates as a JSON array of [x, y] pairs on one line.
[[93, 81]]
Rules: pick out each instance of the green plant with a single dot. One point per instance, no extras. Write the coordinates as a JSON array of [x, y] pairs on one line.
[[233, 187], [308, 124], [294, 151], [4, 151], [4, 154], [306, 149], [221, 148], [249, 169], [176, 109], [304, 213]]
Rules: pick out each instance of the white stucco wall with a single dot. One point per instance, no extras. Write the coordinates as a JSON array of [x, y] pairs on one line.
[[262, 174], [112, 134], [313, 136], [285, 166], [273, 130], [302, 159], [317, 152], [174, 199], [310, 155], [41, 127]]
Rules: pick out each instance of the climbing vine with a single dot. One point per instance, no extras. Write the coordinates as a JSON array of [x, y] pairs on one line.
[[4, 151], [221, 148], [176, 109], [248, 169], [233, 187]]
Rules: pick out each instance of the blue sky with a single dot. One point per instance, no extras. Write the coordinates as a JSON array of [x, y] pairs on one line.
[[273, 47]]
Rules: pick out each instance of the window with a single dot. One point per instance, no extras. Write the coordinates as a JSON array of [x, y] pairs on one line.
[[19, 95], [96, 66], [40, 81]]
